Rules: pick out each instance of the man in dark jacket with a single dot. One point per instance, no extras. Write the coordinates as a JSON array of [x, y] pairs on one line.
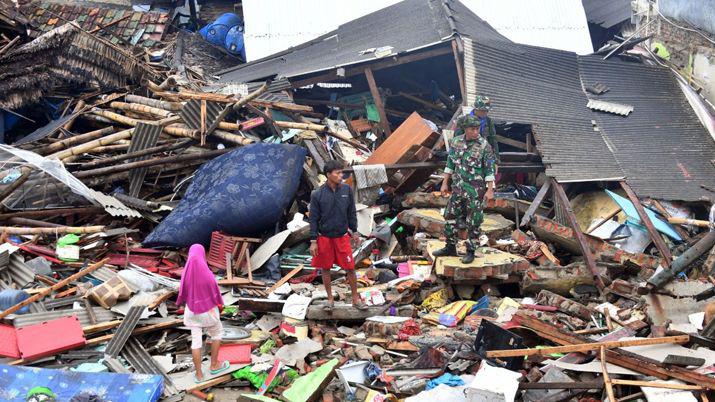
[[333, 220]]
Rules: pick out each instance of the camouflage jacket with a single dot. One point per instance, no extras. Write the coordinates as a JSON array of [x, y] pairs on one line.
[[471, 163], [490, 135]]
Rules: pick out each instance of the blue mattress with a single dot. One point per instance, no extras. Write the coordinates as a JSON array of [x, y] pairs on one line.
[[18, 383], [242, 193]]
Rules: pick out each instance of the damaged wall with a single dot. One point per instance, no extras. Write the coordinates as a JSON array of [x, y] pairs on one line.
[[683, 34]]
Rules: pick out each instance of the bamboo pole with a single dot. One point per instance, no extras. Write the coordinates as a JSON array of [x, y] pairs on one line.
[[77, 108], [686, 221], [144, 152], [110, 139], [51, 212], [156, 103], [77, 139], [138, 108], [51, 230], [52, 288], [154, 170], [585, 347], [151, 162], [88, 146], [321, 129], [33, 223]]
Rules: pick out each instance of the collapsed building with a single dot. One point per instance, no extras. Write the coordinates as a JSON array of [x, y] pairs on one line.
[[603, 208]]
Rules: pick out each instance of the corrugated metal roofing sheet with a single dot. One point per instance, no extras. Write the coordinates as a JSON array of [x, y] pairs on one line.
[[662, 147], [113, 206], [143, 363], [191, 113], [540, 86], [22, 320], [607, 13], [610, 107], [403, 27], [144, 136], [45, 130], [124, 331]]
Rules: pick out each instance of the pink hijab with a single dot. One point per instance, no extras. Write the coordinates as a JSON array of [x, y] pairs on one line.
[[198, 288]]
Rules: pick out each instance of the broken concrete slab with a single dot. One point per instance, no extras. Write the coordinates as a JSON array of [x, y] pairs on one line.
[[432, 222], [493, 264]]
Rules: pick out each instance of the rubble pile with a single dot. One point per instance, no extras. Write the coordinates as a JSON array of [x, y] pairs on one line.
[[579, 291]]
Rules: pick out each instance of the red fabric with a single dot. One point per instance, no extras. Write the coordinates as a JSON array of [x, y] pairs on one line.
[[334, 251]]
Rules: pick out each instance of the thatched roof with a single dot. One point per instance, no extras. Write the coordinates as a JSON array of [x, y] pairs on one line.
[[66, 56]]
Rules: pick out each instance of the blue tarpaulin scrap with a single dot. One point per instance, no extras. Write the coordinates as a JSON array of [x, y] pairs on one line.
[[18, 383], [630, 210], [447, 379], [242, 193]]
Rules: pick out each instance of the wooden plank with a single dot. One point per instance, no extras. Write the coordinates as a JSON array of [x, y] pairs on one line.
[[239, 282], [620, 357], [413, 131], [438, 50], [138, 331], [654, 234], [102, 326], [585, 347], [657, 384], [52, 288], [384, 123], [538, 200], [513, 143], [585, 249], [606, 377], [460, 71], [285, 278]]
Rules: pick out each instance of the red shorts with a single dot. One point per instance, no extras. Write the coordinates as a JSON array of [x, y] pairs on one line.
[[334, 251]]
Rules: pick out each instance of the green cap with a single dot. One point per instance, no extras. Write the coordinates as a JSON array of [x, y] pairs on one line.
[[482, 103], [40, 391], [469, 121]]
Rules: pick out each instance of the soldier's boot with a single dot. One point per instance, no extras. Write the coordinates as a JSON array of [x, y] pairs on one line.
[[448, 250], [469, 256]]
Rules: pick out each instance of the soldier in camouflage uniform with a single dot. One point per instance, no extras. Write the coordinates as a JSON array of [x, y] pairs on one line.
[[471, 165], [482, 105]]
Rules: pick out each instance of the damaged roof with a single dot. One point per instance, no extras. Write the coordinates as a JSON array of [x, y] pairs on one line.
[[403, 27], [64, 56], [134, 27], [607, 13], [662, 147], [539, 86], [534, 85]]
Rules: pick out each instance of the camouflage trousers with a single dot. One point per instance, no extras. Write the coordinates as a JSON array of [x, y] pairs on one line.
[[464, 212]]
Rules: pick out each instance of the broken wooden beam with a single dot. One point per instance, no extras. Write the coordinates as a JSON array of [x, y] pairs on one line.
[[655, 236], [536, 203], [620, 357], [571, 218], [375, 92], [587, 347], [51, 230], [52, 288]]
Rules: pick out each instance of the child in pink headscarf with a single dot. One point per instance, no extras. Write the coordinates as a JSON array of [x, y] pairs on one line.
[[199, 293]]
